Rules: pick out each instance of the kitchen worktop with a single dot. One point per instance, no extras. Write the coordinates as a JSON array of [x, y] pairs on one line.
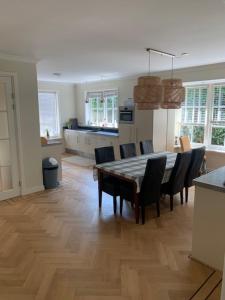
[[100, 132], [214, 180], [208, 243]]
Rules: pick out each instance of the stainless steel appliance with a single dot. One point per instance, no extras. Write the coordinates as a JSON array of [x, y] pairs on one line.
[[126, 114]]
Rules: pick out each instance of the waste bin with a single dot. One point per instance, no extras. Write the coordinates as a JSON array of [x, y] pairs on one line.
[[50, 172]]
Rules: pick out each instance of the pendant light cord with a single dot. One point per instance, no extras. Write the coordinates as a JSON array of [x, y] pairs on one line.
[[172, 67], [149, 62]]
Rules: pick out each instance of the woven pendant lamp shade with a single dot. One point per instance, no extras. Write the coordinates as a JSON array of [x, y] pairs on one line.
[[173, 93], [148, 93]]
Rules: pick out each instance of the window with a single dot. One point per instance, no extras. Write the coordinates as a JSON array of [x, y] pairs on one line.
[[217, 130], [193, 114], [48, 114], [203, 115], [102, 108]]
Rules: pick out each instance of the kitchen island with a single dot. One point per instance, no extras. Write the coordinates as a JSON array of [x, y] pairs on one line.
[[208, 245]]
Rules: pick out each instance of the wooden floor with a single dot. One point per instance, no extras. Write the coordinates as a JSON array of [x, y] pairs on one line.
[[56, 245]]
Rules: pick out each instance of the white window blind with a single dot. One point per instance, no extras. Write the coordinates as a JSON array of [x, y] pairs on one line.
[[102, 108], [203, 115], [194, 111], [217, 129], [48, 114]]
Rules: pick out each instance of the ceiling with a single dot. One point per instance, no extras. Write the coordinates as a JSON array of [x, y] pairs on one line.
[[88, 40]]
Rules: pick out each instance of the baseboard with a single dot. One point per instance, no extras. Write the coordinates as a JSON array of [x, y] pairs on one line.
[[35, 189]]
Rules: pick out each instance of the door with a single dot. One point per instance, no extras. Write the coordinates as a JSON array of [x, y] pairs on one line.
[[9, 179]]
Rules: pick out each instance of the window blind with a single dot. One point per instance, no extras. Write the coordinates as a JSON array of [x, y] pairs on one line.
[[48, 113]]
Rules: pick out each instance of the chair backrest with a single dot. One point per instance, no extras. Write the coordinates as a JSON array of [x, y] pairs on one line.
[[128, 150], [185, 143], [178, 174], [146, 147], [197, 158], [151, 184], [104, 154]]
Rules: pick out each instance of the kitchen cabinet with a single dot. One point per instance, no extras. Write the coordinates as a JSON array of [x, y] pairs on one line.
[[84, 143]]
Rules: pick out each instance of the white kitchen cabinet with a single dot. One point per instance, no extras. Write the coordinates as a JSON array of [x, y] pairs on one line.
[[71, 139], [84, 143]]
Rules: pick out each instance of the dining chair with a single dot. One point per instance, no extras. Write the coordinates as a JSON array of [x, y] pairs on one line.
[[185, 143], [186, 146], [150, 186], [146, 147], [128, 150], [175, 184], [194, 170], [109, 184]]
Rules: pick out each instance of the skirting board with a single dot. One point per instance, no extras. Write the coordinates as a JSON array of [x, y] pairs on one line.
[[35, 189]]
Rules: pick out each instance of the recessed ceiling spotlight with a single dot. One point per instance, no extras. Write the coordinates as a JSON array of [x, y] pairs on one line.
[[185, 54], [57, 74]]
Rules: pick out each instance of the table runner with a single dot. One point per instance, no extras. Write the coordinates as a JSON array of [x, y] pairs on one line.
[[134, 168]]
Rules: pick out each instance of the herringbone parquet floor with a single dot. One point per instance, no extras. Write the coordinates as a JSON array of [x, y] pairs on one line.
[[56, 245]]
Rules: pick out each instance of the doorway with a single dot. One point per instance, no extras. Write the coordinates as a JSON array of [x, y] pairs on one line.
[[9, 175]]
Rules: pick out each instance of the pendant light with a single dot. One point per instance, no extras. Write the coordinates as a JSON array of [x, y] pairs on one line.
[[102, 100], [148, 91], [173, 92]]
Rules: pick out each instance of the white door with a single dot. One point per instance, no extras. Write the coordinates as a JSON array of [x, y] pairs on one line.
[[9, 179]]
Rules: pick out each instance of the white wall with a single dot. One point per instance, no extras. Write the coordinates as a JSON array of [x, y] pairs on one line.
[[223, 284], [66, 97], [125, 87], [28, 120]]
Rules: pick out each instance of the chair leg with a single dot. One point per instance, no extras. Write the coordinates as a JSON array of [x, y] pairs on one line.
[[143, 214], [114, 205], [171, 202], [121, 205], [158, 208], [186, 194], [182, 197], [100, 198]]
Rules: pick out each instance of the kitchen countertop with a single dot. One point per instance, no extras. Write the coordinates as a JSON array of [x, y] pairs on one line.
[[97, 132], [214, 180], [104, 133]]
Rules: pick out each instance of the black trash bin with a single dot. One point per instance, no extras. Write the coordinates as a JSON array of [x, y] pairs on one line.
[[50, 172]]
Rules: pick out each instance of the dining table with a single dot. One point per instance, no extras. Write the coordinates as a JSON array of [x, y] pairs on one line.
[[133, 169]]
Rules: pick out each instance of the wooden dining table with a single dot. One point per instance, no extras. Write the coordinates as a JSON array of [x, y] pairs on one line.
[[133, 170]]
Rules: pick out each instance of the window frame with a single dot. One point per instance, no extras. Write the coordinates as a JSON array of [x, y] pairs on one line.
[[209, 114], [211, 122], [88, 118], [58, 117], [200, 86]]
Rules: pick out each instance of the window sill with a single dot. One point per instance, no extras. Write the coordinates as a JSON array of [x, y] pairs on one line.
[[177, 148]]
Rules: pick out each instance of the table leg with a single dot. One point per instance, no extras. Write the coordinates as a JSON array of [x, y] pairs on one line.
[[100, 179], [136, 203]]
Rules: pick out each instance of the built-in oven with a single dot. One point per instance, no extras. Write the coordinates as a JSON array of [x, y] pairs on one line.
[[126, 114]]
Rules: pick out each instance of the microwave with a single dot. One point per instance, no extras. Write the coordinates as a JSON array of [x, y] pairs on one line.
[[126, 114]]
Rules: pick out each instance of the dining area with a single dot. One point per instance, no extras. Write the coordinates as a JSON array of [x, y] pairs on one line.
[[144, 180]]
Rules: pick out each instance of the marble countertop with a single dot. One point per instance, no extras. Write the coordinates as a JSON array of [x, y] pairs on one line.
[[214, 180]]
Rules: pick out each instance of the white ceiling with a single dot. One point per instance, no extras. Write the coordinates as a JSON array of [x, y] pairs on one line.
[[89, 39]]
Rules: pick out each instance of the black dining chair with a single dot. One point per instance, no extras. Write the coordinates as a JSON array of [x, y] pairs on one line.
[[150, 191], [109, 184], [194, 170], [128, 150], [146, 147], [175, 184]]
